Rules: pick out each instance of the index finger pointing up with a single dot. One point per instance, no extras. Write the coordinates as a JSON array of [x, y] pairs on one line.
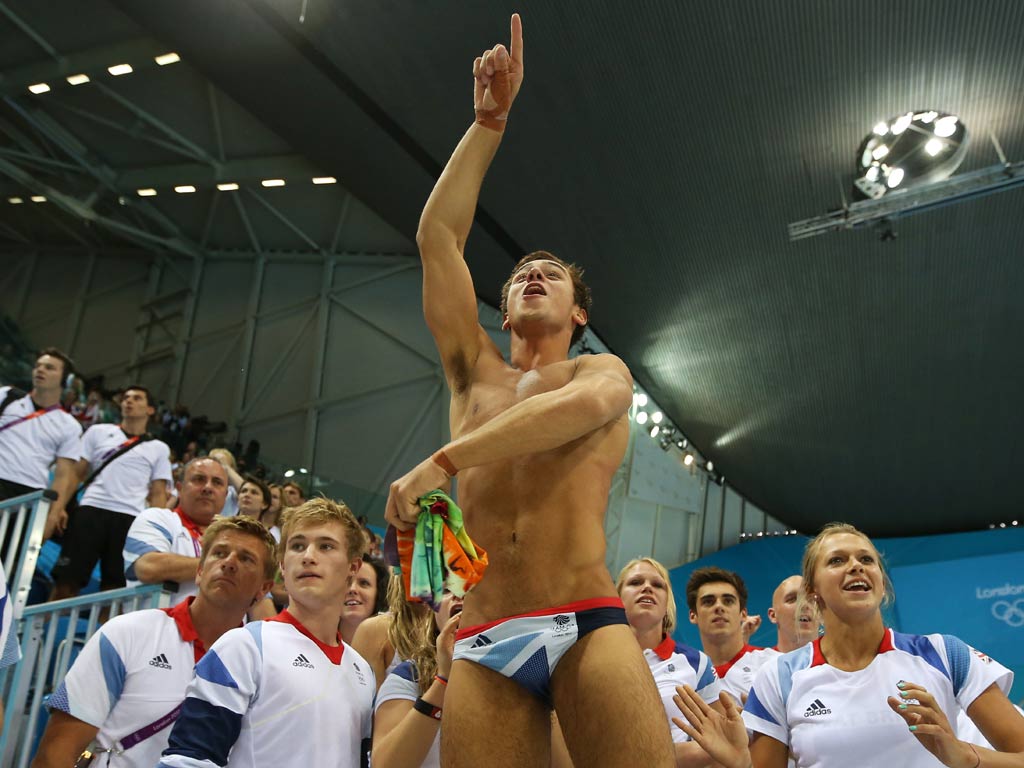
[[517, 39]]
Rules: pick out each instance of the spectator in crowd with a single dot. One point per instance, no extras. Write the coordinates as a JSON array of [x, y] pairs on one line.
[[366, 596], [164, 544], [227, 460], [387, 639], [796, 619], [35, 432], [646, 592], [272, 517], [10, 651], [129, 681], [862, 690], [408, 710], [293, 494], [252, 694], [718, 606], [254, 498], [123, 470]]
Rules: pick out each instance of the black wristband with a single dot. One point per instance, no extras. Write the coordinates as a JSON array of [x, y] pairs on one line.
[[426, 708]]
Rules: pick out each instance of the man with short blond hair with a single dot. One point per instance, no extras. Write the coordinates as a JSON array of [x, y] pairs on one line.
[[288, 690], [128, 683]]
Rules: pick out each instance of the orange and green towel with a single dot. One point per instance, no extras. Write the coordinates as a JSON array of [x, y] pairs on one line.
[[437, 554]]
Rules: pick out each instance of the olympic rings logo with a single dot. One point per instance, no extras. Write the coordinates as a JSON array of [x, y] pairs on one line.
[[1011, 613]]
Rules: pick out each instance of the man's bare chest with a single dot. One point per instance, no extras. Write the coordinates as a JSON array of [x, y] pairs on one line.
[[499, 389]]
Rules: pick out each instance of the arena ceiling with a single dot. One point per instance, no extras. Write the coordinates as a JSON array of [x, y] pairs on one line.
[[664, 146]]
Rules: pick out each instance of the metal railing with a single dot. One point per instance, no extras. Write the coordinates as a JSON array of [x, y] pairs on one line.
[[22, 520], [49, 635]]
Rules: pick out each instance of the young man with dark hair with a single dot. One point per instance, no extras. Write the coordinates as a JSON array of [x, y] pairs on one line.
[[717, 600], [286, 691], [536, 441], [35, 433], [125, 470], [128, 683]]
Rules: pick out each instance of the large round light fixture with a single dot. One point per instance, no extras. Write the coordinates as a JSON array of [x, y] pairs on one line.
[[911, 148]]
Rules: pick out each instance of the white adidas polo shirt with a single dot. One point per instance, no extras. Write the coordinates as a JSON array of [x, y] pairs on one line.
[[131, 674], [271, 694], [675, 664], [836, 719]]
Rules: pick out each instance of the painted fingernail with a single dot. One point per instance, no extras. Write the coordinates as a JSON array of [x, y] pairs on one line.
[[903, 706], [913, 727], [901, 684], [904, 694]]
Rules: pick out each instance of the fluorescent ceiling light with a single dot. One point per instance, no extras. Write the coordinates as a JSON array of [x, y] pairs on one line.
[[272, 182], [15, 200], [901, 124], [77, 79], [39, 88], [324, 180], [148, 192], [167, 58], [933, 147], [184, 189], [880, 151], [38, 198], [881, 129], [895, 177], [229, 186], [120, 69]]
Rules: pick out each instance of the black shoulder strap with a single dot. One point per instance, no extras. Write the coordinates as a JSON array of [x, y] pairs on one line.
[[117, 454], [12, 394]]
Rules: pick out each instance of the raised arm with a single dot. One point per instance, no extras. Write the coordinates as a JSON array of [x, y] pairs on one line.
[[449, 299], [600, 392]]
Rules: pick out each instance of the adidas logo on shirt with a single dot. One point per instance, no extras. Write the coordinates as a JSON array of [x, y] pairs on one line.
[[160, 661], [481, 641], [817, 708], [302, 661]]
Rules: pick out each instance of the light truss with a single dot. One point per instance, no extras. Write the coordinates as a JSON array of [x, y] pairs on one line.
[[913, 200]]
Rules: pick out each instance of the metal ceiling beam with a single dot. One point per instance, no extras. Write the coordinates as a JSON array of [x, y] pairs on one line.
[[914, 200]]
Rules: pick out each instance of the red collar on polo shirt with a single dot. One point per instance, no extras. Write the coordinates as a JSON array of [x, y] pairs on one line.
[[332, 652], [190, 525], [665, 648], [183, 619], [818, 658], [723, 669]]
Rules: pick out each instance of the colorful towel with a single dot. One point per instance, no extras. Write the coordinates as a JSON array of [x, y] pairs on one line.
[[437, 554]]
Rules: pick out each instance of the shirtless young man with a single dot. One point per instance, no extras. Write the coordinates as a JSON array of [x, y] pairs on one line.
[[536, 443]]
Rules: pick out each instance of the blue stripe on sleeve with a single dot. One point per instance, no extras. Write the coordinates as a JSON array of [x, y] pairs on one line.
[[707, 678], [255, 628], [136, 547], [164, 531], [921, 646], [757, 709], [211, 668], [203, 732], [113, 668], [959, 661]]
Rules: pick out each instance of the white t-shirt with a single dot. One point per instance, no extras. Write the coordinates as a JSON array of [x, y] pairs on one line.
[[401, 685], [675, 664], [836, 719], [131, 674], [230, 508], [160, 530], [738, 675], [28, 449], [124, 484], [270, 694]]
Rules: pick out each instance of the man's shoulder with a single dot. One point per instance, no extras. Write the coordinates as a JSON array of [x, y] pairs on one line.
[[132, 625]]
